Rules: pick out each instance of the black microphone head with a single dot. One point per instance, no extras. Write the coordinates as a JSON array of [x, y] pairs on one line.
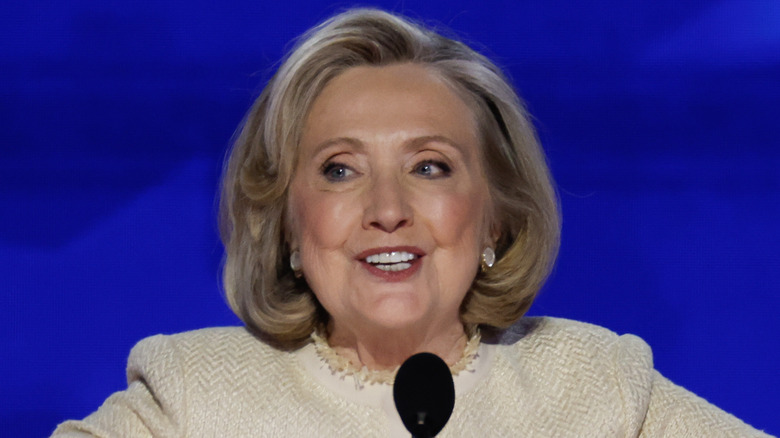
[[424, 394]]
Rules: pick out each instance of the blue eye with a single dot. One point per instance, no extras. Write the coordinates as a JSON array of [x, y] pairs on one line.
[[432, 169], [336, 172]]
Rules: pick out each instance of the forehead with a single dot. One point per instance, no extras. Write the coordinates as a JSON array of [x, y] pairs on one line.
[[408, 99]]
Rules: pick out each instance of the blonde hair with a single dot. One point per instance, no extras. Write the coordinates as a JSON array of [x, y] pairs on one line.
[[260, 286]]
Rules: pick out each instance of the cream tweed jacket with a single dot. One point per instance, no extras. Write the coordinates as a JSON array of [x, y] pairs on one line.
[[548, 378]]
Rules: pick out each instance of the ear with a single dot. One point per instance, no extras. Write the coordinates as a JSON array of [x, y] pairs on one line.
[[494, 231], [288, 225], [292, 244], [290, 237]]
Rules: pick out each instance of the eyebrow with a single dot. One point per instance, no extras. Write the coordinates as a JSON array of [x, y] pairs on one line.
[[412, 144], [330, 142], [419, 141]]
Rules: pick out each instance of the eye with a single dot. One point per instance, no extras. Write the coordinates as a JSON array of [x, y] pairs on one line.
[[432, 169], [336, 172]]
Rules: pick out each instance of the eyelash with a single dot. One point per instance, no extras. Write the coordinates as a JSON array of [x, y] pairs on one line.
[[329, 167], [443, 167]]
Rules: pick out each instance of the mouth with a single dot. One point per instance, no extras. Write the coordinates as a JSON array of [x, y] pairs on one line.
[[392, 263]]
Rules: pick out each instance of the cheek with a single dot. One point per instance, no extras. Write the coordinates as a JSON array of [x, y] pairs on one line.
[[458, 220], [320, 220]]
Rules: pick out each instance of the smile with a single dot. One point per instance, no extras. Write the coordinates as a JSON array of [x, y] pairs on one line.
[[392, 261]]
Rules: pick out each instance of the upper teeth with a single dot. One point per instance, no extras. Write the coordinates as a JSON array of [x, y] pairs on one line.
[[391, 257]]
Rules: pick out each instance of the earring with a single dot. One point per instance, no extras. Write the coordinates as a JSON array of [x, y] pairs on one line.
[[488, 258], [295, 262]]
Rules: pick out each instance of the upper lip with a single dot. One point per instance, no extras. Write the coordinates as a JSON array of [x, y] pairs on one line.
[[362, 256]]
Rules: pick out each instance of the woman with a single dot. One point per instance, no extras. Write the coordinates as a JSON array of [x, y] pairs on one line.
[[387, 196]]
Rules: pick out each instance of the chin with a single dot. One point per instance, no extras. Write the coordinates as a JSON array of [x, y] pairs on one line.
[[394, 314]]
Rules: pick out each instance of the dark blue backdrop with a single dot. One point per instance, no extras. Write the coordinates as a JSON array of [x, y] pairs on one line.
[[659, 118]]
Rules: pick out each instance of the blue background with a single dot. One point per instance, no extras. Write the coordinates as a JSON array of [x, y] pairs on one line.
[[659, 117]]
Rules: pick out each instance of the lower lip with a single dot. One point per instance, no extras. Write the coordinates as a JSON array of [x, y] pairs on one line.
[[393, 275]]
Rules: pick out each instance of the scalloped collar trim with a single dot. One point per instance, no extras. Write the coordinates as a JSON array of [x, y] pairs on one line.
[[341, 366]]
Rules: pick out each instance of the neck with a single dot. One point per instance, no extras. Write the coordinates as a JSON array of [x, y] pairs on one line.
[[386, 349]]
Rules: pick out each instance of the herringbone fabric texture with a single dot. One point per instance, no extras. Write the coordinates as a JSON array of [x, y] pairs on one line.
[[549, 378]]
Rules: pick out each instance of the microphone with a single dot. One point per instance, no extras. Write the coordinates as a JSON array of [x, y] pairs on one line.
[[424, 394]]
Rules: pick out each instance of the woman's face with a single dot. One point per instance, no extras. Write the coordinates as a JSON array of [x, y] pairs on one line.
[[389, 204]]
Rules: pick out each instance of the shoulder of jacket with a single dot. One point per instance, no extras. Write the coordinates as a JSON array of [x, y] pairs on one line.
[[574, 342], [581, 364], [207, 339], [201, 348]]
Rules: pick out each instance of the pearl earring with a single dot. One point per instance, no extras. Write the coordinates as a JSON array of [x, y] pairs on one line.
[[295, 262], [488, 258]]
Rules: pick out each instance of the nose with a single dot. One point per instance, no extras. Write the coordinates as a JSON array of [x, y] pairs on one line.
[[387, 207]]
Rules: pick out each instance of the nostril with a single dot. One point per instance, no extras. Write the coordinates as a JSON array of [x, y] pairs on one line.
[[389, 226]]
